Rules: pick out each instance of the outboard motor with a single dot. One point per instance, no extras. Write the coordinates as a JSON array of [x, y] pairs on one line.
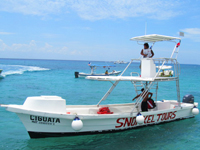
[[188, 99], [76, 74]]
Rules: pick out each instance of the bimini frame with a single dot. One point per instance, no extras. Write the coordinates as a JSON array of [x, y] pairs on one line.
[[152, 38], [149, 82]]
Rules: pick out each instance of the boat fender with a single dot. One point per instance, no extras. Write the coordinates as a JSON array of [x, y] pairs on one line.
[[195, 110], [77, 124], [140, 118]]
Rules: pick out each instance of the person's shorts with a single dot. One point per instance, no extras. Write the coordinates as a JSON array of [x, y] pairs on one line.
[[144, 106]]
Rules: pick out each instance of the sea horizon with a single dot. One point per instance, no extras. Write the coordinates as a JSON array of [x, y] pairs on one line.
[[80, 60]]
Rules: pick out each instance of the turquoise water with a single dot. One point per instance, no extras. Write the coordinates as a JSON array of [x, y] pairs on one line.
[[23, 78]]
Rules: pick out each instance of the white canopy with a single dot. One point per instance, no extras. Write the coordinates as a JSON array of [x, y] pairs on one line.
[[154, 38]]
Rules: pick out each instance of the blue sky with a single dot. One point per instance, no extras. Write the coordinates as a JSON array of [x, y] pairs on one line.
[[96, 29]]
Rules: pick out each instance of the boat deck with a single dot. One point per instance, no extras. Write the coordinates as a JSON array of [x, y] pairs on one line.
[[91, 110], [121, 108]]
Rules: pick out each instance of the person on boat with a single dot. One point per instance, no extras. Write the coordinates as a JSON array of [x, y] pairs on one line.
[[163, 73], [146, 96], [106, 72], [147, 52]]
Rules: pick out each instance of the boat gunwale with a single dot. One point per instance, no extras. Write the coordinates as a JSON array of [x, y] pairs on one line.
[[19, 109]]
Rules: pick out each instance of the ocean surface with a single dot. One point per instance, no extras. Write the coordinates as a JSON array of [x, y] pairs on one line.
[[23, 78]]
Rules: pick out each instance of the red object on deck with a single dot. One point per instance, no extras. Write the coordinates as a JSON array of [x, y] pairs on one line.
[[104, 110]]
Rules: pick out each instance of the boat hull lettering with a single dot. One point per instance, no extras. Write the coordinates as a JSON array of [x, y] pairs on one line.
[[149, 119], [44, 120]]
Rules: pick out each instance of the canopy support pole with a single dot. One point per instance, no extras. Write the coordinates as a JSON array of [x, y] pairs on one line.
[[178, 92], [126, 67], [113, 86], [108, 93], [92, 70], [176, 49]]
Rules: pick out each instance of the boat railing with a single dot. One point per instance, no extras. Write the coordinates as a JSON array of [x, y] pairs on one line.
[[161, 63], [161, 67], [168, 61], [134, 73]]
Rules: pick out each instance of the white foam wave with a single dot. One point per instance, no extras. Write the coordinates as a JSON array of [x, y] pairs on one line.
[[19, 69]]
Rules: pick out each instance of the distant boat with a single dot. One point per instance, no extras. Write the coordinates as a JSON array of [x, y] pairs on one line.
[[120, 62], [166, 72], [0, 73], [93, 70]]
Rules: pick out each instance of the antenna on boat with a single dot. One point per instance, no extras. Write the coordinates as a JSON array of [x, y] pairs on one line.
[[145, 28]]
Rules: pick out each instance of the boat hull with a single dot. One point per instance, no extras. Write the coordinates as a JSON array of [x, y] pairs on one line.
[[34, 134], [41, 124], [102, 74]]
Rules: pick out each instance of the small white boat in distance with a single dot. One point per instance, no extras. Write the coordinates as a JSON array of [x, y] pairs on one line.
[[93, 71], [50, 116], [165, 71], [120, 62]]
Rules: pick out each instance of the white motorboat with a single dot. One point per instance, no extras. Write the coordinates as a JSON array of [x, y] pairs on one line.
[[93, 71], [166, 71], [49, 116]]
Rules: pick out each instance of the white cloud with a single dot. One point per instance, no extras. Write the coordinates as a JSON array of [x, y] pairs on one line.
[[192, 33], [5, 33], [46, 48], [192, 30], [75, 52], [34, 47], [39, 7], [95, 9], [3, 46], [22, 47]]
